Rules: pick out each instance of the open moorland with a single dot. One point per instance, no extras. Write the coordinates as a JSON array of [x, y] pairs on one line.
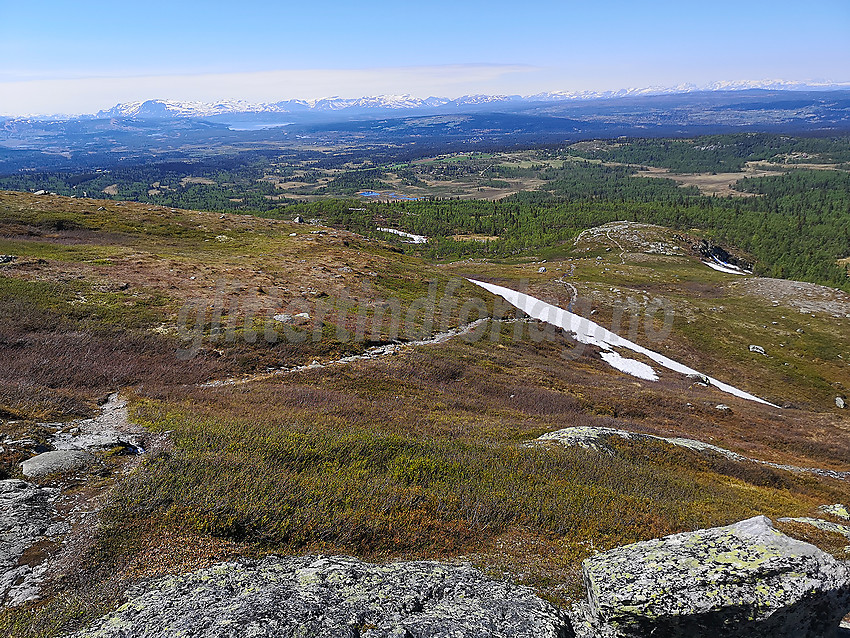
[[322, 387]]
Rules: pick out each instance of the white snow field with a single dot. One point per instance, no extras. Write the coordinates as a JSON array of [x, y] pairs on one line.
[[586, 331], [414, 239]]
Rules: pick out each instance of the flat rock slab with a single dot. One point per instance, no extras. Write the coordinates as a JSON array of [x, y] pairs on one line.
[[340, 597], [98, 441], [746, 579], [27, 517], [56, 461], [110, 429]]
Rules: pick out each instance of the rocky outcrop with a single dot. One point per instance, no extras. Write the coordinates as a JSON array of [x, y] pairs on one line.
[[75, 444], [746, 579], [713, 252], [27, 518], [827, 526], [595, 438], [340, 597]]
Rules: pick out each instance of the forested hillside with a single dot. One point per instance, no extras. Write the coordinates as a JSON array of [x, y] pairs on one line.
[[793, 218], [798, 229]]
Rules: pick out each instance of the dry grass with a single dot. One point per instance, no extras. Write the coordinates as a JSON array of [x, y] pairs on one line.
[[421, 454], [719, 184]]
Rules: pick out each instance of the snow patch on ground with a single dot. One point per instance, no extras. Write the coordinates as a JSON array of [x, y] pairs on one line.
[[630, 366], [724, 267], [414, 239], [586, 331]]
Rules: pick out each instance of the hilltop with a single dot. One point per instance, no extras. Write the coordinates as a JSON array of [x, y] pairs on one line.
[[266, 425]]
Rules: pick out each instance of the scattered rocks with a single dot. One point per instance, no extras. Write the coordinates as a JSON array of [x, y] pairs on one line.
[[699, 378], [840, 403], [758, 350], [746, 579], [56, 461], [7, 259], [803, 296], [371, 353], [332, 596]]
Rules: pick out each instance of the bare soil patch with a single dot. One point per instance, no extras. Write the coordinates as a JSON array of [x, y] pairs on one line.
[[196, 180], [720, 184]]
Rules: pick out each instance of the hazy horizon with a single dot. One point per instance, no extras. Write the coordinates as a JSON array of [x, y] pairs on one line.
[[89, 56]]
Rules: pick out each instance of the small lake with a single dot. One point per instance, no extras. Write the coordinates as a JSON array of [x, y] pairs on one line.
[[256, 126], [388, 195]]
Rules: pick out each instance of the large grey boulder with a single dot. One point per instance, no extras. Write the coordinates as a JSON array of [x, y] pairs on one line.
[[339, 597], [56, 461], [746, 579]]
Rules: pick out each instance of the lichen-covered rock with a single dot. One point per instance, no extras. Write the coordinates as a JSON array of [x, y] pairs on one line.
[[827, 526], [746, 579], [838, 510], [340, 597]]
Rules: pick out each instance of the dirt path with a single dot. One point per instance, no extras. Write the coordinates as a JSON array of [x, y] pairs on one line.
[[44, 530], [372, 353], [616, 243]]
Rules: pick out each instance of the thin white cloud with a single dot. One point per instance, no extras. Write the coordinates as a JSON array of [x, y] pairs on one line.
[[87, 95]]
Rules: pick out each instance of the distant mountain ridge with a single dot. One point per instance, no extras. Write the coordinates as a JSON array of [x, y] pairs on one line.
[[158, 108]]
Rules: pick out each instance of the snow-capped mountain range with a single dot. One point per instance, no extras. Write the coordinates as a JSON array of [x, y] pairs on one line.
[[177, 109]]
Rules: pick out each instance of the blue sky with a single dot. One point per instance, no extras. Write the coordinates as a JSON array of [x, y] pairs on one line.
[[61, 56]]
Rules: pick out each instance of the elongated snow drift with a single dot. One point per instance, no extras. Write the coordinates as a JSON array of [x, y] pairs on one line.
[[586, 331]]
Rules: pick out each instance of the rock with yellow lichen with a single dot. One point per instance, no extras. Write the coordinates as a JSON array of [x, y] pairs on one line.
[[747, 579], [315, 596]]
